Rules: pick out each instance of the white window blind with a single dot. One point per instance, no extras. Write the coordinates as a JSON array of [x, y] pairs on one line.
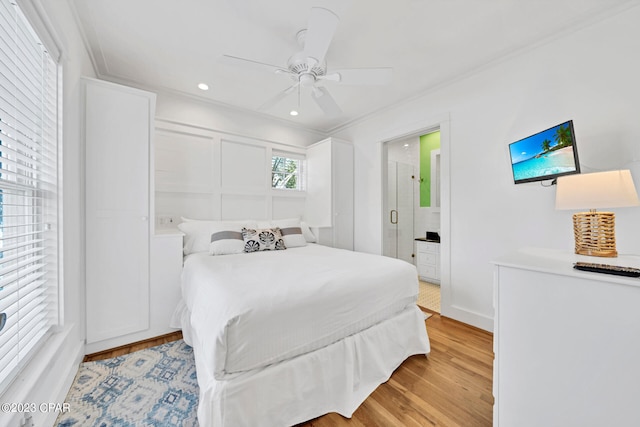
[[28, 192]]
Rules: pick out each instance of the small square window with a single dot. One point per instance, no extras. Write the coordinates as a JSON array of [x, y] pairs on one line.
[[286, 172]]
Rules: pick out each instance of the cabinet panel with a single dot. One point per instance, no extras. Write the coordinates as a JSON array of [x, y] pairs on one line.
[[117, 276], [557, 363], [117, 132], [330, 192], [319, 181]]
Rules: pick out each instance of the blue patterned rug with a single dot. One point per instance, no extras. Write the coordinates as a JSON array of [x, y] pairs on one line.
[[152, 387]]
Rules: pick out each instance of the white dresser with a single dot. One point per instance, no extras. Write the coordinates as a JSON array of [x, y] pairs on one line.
[[428, 260], [566, 342]]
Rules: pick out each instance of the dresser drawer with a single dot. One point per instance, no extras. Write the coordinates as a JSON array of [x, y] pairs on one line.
[[428, 247], [427, 258], [429, 272]]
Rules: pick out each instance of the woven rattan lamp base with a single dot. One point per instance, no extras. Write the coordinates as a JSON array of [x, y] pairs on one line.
[[595, 234]]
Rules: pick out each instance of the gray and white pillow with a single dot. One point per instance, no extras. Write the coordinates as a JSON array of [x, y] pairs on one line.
[[226, 242], [203, 236], [292, 232], [262, 239]]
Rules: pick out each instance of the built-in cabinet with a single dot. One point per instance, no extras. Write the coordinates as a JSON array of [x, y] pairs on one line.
[[428, 260], [329, 203], [565, 342], [123, 282]]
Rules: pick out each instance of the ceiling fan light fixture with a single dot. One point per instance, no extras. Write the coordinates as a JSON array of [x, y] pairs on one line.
[[307, 79]]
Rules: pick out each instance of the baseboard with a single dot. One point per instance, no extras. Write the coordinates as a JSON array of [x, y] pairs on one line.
[[480, 321], [66, 379], [171, 336]]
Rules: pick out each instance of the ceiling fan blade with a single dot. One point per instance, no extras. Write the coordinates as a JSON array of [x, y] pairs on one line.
[[235, 60], [320, 30], [325, 101], [279, 97], [361, 76]]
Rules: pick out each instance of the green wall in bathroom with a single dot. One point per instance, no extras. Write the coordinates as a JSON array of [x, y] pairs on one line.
[[428, 143]]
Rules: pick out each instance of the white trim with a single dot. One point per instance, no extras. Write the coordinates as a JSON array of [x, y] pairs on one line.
[[443, 123], [434, 179], [33, 11], [47, 377], [190, 129]]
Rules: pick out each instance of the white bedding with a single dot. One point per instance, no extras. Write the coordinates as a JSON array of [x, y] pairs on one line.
[[248, 311]]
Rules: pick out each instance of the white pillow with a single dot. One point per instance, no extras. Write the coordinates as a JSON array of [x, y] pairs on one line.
[[217, 237], [291, 230], [307, 233]]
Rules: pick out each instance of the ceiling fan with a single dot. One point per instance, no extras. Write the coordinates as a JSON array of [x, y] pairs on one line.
[[308, 68]]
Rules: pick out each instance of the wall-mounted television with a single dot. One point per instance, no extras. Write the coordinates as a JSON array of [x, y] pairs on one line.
[[545, 155]]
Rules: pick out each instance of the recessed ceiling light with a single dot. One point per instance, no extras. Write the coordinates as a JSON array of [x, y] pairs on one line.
[[293, 113], [406, 145], [203, 86]]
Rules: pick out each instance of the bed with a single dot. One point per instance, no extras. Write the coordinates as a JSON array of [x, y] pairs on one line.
[[284, 336]]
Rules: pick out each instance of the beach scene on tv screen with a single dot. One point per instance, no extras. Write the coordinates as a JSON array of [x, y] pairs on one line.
[[545, 153]]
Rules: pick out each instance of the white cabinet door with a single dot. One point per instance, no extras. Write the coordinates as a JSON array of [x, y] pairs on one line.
[[117, 143], [330, 192]]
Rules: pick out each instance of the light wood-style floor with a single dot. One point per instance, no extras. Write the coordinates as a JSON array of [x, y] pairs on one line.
[[452, 387]]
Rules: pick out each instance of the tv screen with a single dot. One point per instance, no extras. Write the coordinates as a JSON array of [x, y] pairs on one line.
[[545, 155]]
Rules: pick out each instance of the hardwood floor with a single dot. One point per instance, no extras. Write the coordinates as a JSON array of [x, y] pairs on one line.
[[452, 387]]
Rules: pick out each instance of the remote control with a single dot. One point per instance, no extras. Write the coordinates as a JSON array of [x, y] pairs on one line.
[[607, 269]]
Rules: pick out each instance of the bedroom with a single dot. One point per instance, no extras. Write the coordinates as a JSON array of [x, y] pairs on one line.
[[592, 79]]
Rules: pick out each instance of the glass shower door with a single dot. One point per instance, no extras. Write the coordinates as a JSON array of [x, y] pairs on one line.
[[400, 202]]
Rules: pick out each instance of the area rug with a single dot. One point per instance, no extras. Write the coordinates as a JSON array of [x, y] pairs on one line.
[[152, 387]]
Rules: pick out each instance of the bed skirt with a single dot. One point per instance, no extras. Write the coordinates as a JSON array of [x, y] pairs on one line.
[[335, 378]]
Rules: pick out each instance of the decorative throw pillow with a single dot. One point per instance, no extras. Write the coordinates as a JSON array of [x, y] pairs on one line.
[[262, 239]]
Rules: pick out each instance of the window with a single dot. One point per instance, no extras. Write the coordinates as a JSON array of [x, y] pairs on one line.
[[28, 192], [286, 171]]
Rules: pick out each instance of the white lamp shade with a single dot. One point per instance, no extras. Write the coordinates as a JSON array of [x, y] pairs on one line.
[[612, 189]]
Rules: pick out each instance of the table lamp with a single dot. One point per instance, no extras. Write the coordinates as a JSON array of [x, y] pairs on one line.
[[595, 231]]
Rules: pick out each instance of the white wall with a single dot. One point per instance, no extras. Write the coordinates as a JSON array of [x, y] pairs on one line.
[[589, 75]]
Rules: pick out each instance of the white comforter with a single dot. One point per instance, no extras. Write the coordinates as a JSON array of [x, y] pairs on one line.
[[251, 310]]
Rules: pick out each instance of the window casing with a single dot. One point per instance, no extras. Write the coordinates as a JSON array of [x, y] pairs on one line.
[[287, 171], [28, 192]]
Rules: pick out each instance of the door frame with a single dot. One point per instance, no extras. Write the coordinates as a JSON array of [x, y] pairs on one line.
[[443, 123]]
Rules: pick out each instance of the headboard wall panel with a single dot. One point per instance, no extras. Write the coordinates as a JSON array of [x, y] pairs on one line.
[[242, 166], [287, 207], [183, 162], [205, 174], [238, 206], [171, 206]]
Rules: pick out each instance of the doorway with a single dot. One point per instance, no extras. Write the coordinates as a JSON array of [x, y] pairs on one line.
[[411, 208]]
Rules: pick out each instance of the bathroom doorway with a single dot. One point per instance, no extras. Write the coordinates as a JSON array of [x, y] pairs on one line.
[[411, 209]]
